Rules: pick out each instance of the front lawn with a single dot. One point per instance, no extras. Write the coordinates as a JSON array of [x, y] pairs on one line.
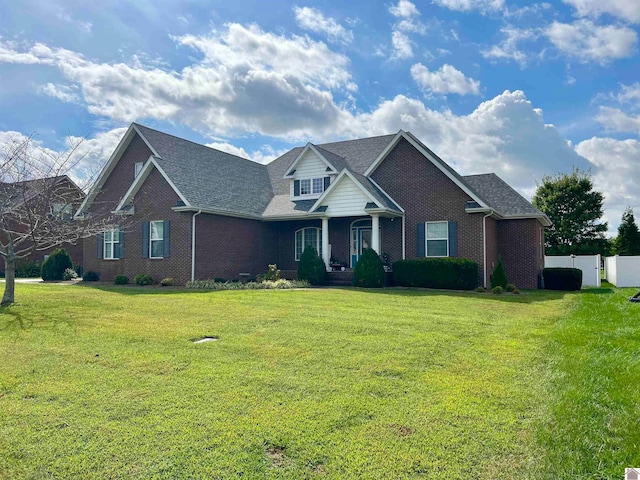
[[327, 383]]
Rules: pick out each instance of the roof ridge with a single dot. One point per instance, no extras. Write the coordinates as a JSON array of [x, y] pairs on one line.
[[355, 139]]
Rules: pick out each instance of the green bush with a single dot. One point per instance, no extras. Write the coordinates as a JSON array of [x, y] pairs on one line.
[[446, 273], [266, 285], [121, 280], [499, 276], [369, 271], [480, 289], [510, 287], [557, 278], [69, 274], [311, 267], [220, 280], [166, 282], [26, 268], [143, 279], [497, 290], [54, 266], [91, 276]]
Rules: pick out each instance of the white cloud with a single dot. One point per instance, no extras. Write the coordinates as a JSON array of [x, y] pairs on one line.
[[404, 9], [263, 155], [630, 93], [446, 79], [401, 45], [589, 42], [615, 173], [628, 10], [508, 49], [615, 120], [64, 93], [312, 19], [467, 5]]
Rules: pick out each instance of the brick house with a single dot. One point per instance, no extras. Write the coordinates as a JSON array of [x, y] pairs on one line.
[[192, 212]]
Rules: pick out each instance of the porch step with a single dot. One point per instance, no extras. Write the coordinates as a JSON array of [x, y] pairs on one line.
[[339, 278]]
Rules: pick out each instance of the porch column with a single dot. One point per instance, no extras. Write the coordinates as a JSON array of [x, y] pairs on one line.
[[375, 232], [326, 254]]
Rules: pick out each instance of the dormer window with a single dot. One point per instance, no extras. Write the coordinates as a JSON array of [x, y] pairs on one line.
[[310, 186]]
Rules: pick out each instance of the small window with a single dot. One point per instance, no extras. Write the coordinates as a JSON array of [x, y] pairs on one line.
[[62, 211], [310, 186], [437, 238], [156, 239], [305, 186], [111, 243], [137, 169], [318, 185], [308, 236]]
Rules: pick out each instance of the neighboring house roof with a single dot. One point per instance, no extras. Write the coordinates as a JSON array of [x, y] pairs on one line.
[[16, 193]]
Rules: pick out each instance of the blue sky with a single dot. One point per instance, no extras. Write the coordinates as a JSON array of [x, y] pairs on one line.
[[523, 89]]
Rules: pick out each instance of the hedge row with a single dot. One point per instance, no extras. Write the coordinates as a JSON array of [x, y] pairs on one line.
[[446, 273], [558, 278]]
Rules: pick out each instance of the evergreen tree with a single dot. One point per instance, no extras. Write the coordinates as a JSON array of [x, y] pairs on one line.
[[628, 240]]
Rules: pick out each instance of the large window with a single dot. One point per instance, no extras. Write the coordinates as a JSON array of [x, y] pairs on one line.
[[437, 237], [156, 239], [111, 248], [308, 236]]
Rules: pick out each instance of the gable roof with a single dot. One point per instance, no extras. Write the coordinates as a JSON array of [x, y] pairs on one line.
[[13, 194]]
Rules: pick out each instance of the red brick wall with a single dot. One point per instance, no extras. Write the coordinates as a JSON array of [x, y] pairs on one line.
[[519, 244], [492, 247], [427, 194]]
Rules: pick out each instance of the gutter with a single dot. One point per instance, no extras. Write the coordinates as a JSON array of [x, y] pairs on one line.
[[193, 244], [484, 244]]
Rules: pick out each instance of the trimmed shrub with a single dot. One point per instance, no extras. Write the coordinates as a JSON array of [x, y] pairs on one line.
[[26, 268], [510, 287], [54, 266], [446, 273], [267, 285], [166, 282], [69, 274], [480, 290], [143, 279], [311, 267], [121, 280], [557, 278], [497, 290], [91, 276], [369, 271], [516, 292], [499, 276]]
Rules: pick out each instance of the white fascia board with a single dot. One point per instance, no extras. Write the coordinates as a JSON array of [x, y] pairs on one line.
[[307, 147], [429, 156], [338, 179], [388, 196], [111, 163], [214, 211], [139, 180]]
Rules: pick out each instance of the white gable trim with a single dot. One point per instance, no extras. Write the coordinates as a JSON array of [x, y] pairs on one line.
[[332, 186], [307, 147], [142, 176], [388, 196], [433, 158], [131, 132]]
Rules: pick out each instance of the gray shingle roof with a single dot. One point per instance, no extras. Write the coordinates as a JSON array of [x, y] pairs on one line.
[[500, 196], [209, 178]]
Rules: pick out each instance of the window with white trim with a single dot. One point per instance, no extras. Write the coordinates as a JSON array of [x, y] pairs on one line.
[[437, 239], [62, 211], [318, 185], [111, 243], [156, 239], [305, 186], [137, 169], [308, 236], [310, 187]]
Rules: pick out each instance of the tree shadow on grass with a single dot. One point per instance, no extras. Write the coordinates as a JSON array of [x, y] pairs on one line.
[[13, 321], [138, 290]]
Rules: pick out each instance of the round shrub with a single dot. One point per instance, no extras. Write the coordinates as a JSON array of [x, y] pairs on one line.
[[143, 279], [69, 274], [91, 276], [369, 271], [510, 287], [311, 267], [499, 276], [480, 290], [121, 280], [166, 282], [54, 266], [497, 290]]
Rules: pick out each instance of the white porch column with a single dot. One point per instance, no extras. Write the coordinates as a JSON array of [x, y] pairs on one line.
[[375, 232], [326, 254]]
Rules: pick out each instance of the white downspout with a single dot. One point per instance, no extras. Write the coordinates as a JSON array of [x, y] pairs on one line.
[[404, 246], [193, 245], [484, 244]]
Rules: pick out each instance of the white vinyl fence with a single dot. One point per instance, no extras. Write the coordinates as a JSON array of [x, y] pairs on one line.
[[589, 264], [622, 271]]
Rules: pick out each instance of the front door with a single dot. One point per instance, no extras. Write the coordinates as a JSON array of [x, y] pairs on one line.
[[360, 239]]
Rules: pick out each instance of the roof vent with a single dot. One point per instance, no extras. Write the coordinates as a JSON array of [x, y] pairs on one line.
[[291, 172], [329, 169]]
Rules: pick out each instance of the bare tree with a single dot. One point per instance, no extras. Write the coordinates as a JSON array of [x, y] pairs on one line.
[[37, 202]]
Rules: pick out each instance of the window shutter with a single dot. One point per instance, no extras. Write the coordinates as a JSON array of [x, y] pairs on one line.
[[100, 245], [296, 188], [121, 244], [420, 242], [327, 181], [165, 241], [453, 239], [145, 239]]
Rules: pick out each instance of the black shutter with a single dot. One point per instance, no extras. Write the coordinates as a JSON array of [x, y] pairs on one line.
[[296, 188], [100, 245], [165, 239], [145, 239], [420, 245], [327, 181], [453, 239], [121, 245]]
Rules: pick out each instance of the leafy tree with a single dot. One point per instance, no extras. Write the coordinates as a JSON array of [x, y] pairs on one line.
[[575, 210], [628, 240]]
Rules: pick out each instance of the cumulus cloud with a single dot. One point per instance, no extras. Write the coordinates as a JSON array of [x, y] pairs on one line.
[[446, 79], [408, 23], [263, 155], [402, 45], [589, 42], [313, 20], [467, 5], [508, 49], [628, 10], [615, 119]]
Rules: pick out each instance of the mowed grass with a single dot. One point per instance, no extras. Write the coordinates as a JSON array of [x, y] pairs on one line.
[[322, 383]]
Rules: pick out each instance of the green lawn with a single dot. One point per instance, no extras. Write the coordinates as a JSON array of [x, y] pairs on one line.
[[322, 383]]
